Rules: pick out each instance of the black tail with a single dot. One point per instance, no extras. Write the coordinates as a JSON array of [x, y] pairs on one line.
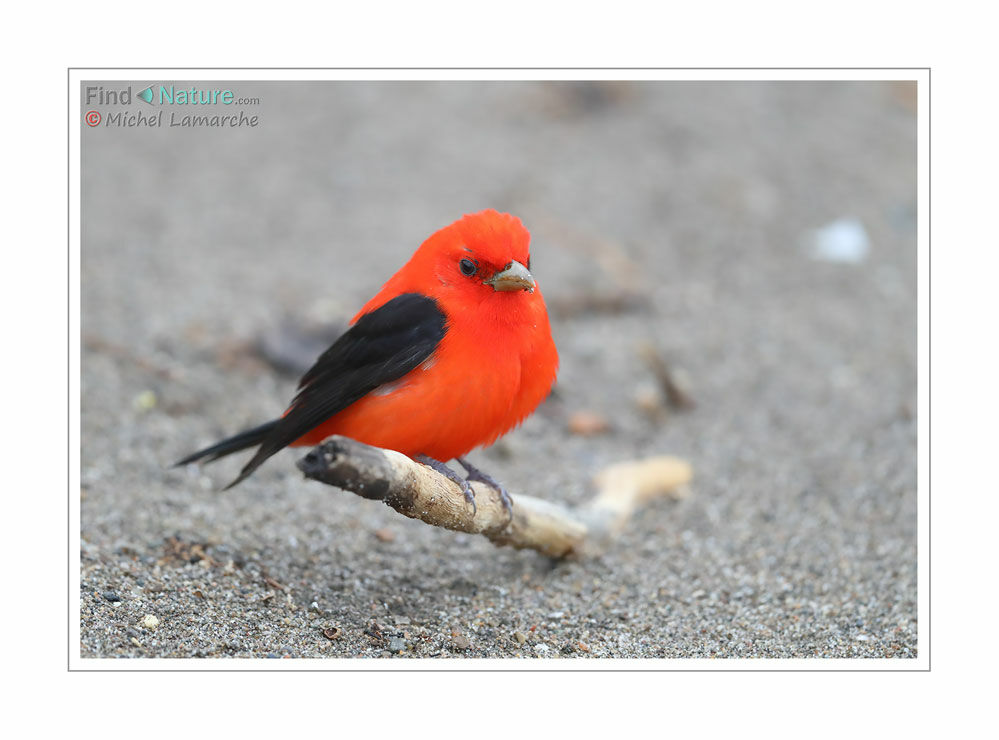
[[241, 441]]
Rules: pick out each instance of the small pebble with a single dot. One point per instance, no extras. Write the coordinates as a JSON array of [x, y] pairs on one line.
[[649, 400], [150, 622], [461, 642], [520, 637], [587, 424], [111, 596], [397, 645], [144, 401], [844, 240]]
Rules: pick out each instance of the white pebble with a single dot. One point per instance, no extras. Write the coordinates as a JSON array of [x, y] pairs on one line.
[[843, 240]]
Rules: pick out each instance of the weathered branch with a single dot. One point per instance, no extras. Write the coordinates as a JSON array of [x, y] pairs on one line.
[[418, 492]]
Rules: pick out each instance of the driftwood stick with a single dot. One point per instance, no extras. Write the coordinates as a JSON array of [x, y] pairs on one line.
[[418, 492], [625, 487]]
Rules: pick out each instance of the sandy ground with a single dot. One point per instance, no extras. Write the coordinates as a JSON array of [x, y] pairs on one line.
[[679, 215]]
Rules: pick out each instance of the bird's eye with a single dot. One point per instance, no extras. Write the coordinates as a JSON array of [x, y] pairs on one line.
[[468, 267]]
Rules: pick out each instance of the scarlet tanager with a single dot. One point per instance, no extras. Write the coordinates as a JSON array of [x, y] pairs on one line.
[[453, 352]]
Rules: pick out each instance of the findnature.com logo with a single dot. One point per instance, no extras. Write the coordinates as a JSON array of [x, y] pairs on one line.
[[166, 96]]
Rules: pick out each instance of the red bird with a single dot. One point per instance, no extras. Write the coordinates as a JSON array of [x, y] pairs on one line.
[[453, 352]]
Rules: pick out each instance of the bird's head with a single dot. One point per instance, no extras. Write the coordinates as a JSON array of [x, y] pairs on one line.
[[481, 255], [478, 265]]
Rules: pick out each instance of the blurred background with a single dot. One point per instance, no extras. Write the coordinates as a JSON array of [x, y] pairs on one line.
[[730, 269]]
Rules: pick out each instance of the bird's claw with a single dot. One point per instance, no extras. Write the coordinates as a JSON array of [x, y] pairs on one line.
[[475, 474], [469, 495], [444, 470]]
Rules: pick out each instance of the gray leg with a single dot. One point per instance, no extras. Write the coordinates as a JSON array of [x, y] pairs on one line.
[[444, 470], [475, 474]]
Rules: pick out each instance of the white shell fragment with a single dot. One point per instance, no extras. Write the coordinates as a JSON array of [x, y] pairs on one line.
[[843, 240]]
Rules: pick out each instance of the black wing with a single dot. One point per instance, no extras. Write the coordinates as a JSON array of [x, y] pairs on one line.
[[380, 347]]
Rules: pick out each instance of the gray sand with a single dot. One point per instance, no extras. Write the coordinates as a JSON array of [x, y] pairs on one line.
[[672, 213]]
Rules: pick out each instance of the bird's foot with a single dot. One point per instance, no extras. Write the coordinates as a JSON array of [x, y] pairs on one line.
[[475, 474], [444, 470]]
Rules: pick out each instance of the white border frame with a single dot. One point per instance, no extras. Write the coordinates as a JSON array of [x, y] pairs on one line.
[[919, 75]]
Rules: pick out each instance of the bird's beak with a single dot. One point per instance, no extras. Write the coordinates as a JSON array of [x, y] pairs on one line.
[[512, 277]]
